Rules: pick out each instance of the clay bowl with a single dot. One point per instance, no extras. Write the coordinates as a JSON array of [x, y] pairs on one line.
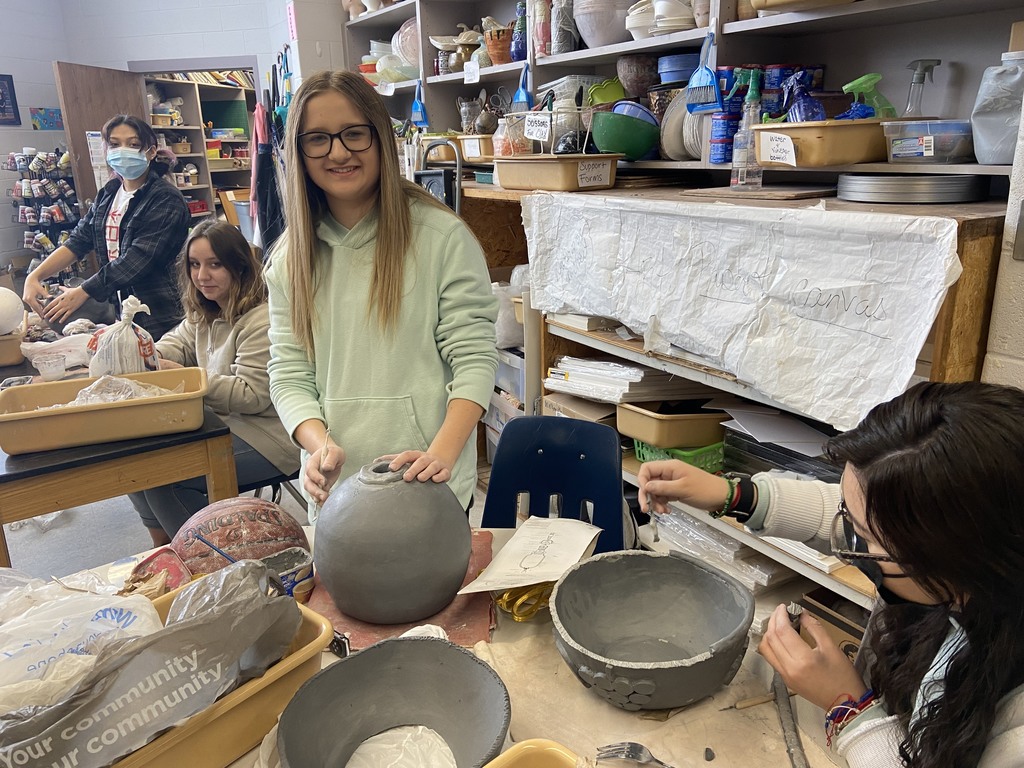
[[401, 681], [645, 630]]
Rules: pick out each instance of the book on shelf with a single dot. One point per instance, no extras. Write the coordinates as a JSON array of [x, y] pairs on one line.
[[583, 322], [814, 558], [614, 382]]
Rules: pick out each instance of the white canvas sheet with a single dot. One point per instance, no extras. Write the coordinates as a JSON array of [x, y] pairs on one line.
[[822, 311]]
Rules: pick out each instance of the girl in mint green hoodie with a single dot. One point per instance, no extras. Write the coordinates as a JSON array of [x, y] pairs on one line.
[[381, 312]]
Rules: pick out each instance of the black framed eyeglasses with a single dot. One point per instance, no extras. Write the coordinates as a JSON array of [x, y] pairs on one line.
[[355, 138], [853, 550]]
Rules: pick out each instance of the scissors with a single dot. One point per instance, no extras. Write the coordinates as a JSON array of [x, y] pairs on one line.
[[501, 101]]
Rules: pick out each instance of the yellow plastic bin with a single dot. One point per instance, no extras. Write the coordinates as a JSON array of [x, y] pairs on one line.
[[821, 143], [26, 429], [535, 753], [233, 725], [557, 173], [642, 421]]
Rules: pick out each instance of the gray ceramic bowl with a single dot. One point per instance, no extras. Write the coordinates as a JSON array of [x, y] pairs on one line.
[[402, 681], [645, 630]]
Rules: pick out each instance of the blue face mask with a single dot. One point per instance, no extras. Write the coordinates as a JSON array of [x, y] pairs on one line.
[[127, 163]]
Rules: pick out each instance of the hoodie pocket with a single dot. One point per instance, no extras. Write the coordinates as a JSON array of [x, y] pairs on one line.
[[368, 427]]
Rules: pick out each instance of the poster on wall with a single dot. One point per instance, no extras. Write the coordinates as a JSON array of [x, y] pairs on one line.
[[46, 118], [8, 102]]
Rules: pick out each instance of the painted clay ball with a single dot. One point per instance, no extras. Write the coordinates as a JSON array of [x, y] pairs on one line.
[[11, 311], [243, 527], [388, 551]]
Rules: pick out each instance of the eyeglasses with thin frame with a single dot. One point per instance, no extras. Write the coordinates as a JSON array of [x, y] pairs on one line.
[[846, 544], [317, 144]]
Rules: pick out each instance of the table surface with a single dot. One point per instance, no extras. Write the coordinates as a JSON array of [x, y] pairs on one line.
[[29, 465]]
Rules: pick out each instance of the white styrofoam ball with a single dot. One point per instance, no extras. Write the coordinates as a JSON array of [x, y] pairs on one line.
[[11, 311]]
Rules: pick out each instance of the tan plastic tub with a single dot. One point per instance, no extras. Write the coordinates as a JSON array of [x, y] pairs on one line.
[[641, 421], [233, 725], [476, 148], [10, 347], [535, 753], [821, 143], [557, 173], [25, 429]]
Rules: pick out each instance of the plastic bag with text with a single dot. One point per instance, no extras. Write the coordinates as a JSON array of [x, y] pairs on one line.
[[123, 347], [221, 631]]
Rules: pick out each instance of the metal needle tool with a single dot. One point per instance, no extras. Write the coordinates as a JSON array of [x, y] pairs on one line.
[[320, 464]]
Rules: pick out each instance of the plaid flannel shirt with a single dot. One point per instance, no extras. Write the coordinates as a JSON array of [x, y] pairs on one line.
[[152, 234]]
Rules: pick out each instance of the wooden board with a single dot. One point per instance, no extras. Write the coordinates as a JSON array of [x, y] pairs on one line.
[[770, 192]]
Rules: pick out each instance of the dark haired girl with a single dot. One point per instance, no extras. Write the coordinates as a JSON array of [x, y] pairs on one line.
[[929, 508], [136, 226]]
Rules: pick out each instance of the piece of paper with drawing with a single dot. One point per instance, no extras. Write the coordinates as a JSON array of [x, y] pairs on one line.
[[541, 550]]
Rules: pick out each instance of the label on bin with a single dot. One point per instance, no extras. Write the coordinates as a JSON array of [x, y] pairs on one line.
[[471, 147], [915, 146], [538, 127], [385, 88], [593, 173], [777, 148], [471, 72]]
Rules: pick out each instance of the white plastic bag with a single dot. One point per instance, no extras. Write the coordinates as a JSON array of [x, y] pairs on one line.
[[123, 347], [74, 348], [996, 116], [509, 330]]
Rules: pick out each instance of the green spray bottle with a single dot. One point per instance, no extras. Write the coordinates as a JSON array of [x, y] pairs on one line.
[[746, 173], [864, 86]]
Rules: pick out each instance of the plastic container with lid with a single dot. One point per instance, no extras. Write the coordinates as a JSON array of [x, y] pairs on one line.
[[929, 141], [996, 115]]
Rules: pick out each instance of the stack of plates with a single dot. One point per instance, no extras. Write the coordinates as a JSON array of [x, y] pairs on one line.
[[666, 25], [924, 188]]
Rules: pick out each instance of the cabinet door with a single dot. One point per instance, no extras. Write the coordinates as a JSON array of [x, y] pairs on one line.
[[89, 96]]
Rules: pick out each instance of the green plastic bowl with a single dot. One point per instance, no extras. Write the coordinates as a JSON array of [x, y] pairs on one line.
[[628, 135]]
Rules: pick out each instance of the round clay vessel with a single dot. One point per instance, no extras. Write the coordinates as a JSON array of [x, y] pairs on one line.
[[646, 630], [402, 681], [637, 73], [388, 551]]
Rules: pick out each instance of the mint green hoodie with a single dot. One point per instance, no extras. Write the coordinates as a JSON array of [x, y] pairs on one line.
[[385, 393]]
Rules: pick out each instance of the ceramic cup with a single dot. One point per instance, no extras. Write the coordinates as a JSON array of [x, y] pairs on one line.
[[51, 367]]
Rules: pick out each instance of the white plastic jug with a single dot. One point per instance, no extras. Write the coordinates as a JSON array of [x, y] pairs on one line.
[[995, 119]]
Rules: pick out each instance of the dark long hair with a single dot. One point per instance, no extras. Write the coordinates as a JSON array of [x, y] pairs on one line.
[[943, 482], [164, 159], [248, 290]]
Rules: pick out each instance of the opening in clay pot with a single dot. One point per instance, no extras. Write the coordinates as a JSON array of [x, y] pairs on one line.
[[645, 630]]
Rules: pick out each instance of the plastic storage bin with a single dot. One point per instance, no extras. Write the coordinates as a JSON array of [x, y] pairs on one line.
[[10, 346], [476, 148], [557, 173], [929, 141], [642, 421], [233, 725], [820, 143], [26, 429], [710, 458]]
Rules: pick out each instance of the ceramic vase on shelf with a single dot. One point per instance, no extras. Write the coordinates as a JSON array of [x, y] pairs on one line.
[[519, 34], [388, 551], [355, 7], [371, 5]]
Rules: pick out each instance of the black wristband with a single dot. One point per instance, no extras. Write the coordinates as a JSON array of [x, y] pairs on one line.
[[745, 500]]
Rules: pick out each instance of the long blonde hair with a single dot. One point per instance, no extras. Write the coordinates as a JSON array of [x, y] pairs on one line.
[[248, 290], [306, 204]]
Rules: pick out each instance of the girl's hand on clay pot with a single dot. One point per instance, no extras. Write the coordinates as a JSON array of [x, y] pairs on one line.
[[423, 466], [323, 468]]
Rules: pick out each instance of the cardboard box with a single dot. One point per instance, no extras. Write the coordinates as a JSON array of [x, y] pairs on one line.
[[846, 628], [570, 406], [1017, 36]]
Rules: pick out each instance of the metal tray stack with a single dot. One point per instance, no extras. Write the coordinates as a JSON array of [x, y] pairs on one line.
[[924, 188]]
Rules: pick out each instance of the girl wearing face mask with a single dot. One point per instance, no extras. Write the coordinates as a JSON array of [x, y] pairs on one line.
[[929, 508], [136, 226]]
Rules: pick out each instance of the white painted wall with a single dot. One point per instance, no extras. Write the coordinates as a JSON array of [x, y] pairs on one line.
[[33, 37]]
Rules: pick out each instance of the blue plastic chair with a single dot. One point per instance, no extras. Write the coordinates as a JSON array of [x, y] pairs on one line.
[[572, 460]]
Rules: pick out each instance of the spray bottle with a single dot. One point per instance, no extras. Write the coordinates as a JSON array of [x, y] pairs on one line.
[[922, 68], [864, 86], [803, 107], [746, 173]]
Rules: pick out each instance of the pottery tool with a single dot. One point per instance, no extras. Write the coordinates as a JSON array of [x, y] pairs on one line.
[[320, 464], [702, 93], [215, 548], [522, 101]]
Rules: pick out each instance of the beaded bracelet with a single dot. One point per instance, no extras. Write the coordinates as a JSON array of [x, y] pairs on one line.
[[845, 711], [730, 498]]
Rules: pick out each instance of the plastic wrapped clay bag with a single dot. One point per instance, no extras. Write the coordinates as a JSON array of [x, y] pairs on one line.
[[509, 330], [114, 389], [123, 347]]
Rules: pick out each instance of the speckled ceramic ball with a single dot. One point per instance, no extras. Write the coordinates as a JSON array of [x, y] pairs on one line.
[[11, 311], [388, 551]]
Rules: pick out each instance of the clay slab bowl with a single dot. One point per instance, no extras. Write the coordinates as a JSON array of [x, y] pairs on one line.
[[645, 630], [402, 681]]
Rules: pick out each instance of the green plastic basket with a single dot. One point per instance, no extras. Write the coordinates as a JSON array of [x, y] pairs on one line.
[[710, 458]]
